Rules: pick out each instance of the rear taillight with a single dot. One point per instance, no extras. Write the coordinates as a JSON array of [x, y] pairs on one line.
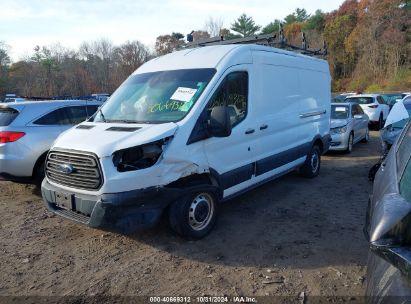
[[6, 137], [373, 106]]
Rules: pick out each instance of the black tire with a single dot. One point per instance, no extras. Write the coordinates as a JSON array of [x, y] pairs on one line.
[[192, 223], [311, 167], [350, 143], [380, 122], [39, 172], [366, 137]]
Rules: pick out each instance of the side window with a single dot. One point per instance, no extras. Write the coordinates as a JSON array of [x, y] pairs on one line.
[[64, 116], [76, 114], [380, 100], [233, 93], [91, 110], [353, 110], [356, 110], [405, 182], [404, 150], [56, 117]]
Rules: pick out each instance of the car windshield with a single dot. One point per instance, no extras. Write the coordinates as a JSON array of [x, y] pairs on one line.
[[401, 124], [361, 100], [339, 112], [157, 97]]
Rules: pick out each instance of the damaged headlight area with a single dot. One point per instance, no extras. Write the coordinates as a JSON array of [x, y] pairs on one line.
[[139, 157], [340, 130]]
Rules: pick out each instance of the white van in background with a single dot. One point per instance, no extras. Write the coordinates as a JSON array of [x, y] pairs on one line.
[[188, 130]]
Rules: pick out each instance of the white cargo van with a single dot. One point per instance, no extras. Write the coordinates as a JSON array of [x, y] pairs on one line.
[[187, 131]]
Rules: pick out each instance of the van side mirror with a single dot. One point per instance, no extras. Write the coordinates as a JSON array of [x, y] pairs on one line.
[[219, 124]]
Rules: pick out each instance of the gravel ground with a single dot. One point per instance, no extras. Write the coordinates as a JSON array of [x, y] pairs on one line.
[[287, 237]]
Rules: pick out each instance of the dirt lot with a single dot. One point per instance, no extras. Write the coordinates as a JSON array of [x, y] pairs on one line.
[[289, 236]]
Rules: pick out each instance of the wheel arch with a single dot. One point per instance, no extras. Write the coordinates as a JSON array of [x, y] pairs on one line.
[[38, 162]]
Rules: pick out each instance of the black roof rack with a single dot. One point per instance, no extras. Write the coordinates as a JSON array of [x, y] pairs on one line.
[[274, 40]]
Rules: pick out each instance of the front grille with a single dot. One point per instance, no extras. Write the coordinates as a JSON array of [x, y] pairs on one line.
[[85, 170]]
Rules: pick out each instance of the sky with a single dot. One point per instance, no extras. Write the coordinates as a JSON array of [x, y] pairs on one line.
[[27, 23]]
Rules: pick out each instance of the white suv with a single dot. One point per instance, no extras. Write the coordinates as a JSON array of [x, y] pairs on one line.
[[373, 105]]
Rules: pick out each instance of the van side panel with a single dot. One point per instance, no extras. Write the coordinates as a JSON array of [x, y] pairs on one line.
[[292, 107]]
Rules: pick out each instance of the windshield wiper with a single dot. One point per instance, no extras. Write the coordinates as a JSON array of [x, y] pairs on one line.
[[102, 115], [121, 121]]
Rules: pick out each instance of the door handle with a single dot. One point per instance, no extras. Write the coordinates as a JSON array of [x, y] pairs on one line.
[[249, 131], [263, 127]]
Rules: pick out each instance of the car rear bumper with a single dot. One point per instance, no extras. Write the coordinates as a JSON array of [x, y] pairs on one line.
[[14, 169], [124, 212], [16, 161]]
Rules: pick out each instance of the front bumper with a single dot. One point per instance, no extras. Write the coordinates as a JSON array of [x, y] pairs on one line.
[[124, 212], [339, 142]]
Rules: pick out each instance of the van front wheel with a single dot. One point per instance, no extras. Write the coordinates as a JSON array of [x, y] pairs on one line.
[[311, 167], [194, 215]]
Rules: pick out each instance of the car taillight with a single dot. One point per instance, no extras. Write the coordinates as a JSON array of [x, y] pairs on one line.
[[6, 137], [373, 106]]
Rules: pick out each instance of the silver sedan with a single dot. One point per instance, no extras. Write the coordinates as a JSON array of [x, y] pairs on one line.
[[349, 125], [28, 129]]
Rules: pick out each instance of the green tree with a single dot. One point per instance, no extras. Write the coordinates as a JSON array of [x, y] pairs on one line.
[[272, 27], [299, 15], [177, 36], [316, 21], [4, 67], [245, 26]]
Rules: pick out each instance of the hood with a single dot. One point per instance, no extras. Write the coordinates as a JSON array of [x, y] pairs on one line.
[[338, 123], [397, 113], [103, 139]]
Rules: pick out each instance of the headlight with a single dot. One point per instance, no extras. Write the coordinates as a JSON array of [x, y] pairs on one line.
[[339, 130], [139, 157]]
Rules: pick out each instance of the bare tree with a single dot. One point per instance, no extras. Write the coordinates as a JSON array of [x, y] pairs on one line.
[[213, 26], [128, 57], [166, 44]]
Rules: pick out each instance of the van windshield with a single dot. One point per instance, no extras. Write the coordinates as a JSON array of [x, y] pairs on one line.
[[157, 97]]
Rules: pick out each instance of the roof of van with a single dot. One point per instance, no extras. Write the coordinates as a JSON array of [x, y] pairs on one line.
[[222, 55]]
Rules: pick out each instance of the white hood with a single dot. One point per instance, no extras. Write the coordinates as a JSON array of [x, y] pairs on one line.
[[397, 113], [103, 142]]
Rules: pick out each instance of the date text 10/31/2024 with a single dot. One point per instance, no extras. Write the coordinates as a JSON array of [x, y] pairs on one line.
[[203, 299]]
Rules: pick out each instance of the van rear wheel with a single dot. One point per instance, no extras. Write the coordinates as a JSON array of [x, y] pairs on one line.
[[194, 215], [311, 167]]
